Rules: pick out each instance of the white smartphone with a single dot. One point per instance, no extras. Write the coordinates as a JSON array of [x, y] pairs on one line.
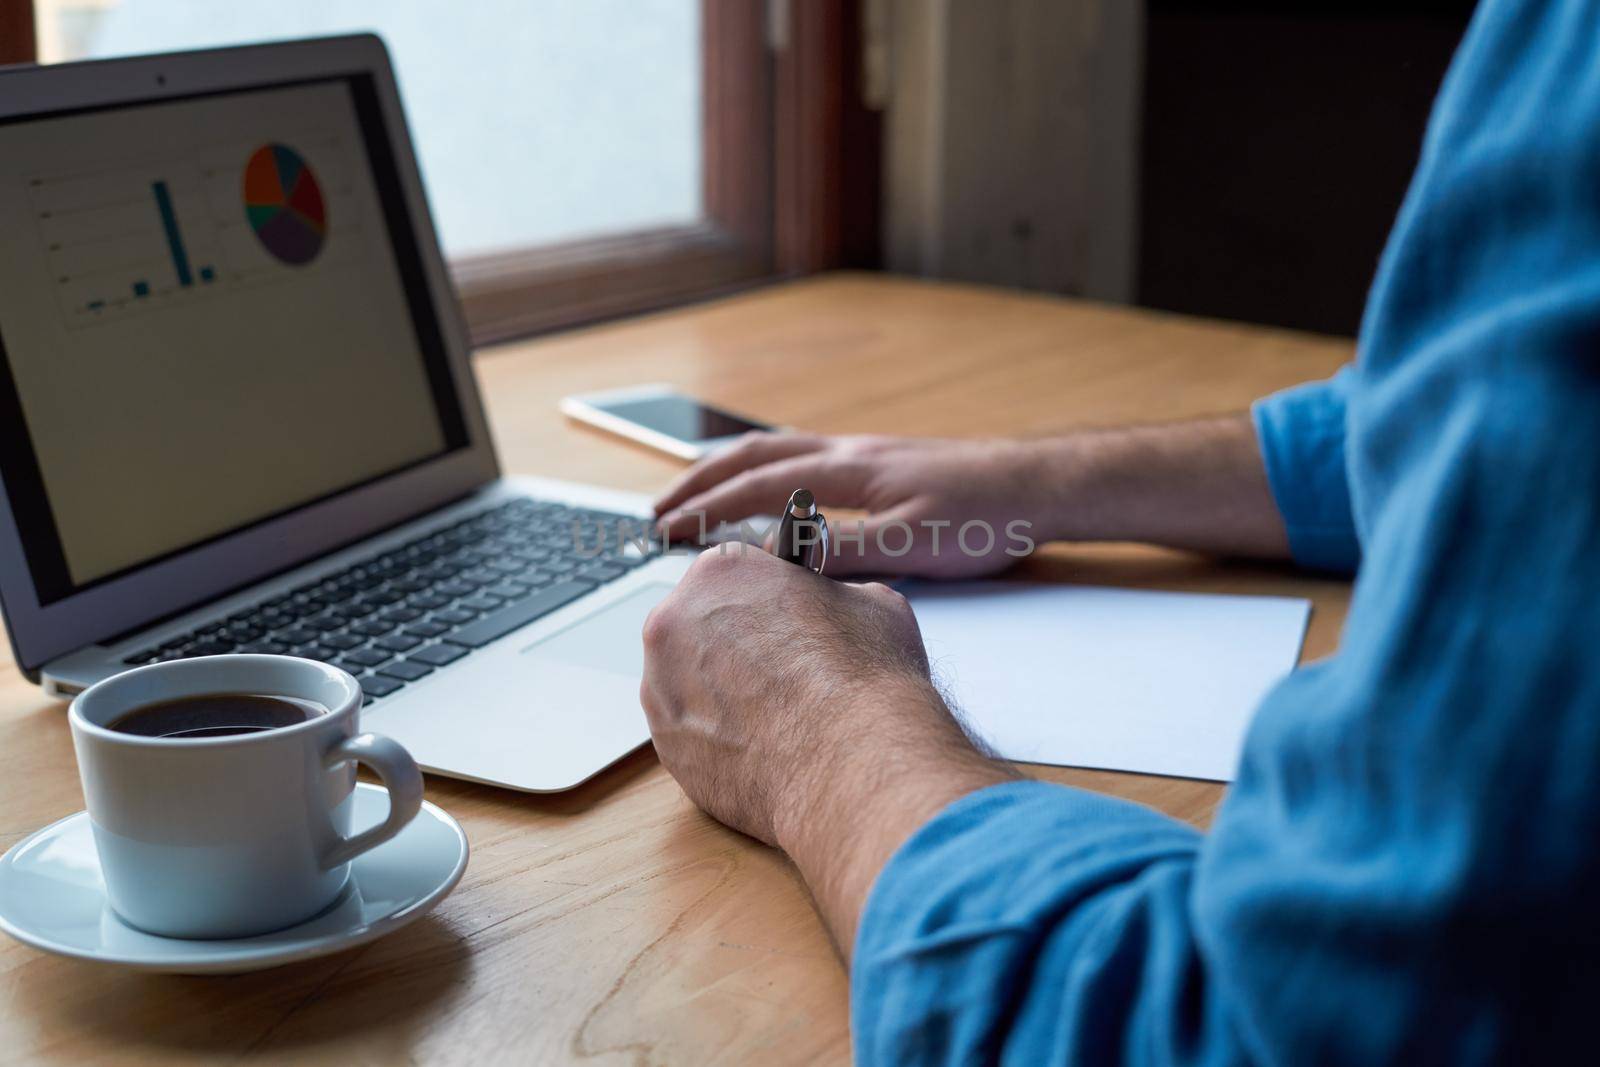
[[660, 417]]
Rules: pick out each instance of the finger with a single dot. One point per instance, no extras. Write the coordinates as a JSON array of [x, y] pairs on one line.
[[764, 490], [884, 595], [752, 450], [890, 544]]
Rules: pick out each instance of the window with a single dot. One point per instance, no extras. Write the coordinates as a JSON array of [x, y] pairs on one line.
[[536, 121], [585, 158]]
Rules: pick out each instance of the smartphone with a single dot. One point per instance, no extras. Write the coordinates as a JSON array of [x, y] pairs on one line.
[[660, 417]]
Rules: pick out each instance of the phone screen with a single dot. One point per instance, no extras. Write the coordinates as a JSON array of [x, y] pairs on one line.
[[680, 417]]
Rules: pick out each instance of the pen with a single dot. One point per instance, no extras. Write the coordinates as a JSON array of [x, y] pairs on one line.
[[802, 533]]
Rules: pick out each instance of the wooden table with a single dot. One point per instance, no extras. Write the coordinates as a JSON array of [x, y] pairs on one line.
[[616, 923]]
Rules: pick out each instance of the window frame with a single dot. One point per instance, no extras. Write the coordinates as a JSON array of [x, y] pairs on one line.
[[546, 287], [17, 38]]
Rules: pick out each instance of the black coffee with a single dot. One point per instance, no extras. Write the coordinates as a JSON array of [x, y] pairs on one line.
[[217, 715]]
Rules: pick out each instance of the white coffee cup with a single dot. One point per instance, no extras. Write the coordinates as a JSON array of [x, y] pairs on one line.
[[239, 835]]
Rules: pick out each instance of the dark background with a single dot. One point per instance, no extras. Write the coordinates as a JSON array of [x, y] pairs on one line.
[[1278, 140]]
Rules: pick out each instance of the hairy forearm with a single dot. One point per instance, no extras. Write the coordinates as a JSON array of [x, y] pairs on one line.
[[1197, 485], [902, 760]]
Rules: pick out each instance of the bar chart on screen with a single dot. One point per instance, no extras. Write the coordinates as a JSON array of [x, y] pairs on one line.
[[129, 239]]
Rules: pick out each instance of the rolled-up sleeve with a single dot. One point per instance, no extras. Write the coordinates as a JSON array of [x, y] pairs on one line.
[[954, 965], [1302, 436]]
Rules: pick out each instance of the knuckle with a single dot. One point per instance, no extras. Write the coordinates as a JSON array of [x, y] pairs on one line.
[[883, 591], [709, 564], [657, 627], [889, 597]]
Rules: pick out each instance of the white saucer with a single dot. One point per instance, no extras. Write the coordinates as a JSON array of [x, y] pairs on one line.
[[51, 897]]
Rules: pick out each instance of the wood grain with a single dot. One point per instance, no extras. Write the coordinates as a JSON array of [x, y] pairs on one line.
[[615, 924]]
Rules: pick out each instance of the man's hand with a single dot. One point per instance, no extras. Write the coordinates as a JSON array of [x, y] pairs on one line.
[[928, 486], [798, 710], [1197, 485]]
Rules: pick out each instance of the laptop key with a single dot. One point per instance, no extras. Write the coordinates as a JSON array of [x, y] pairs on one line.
[[396, 643], [438, 655], [406, 670], [519, 613], [376, 686], [427, 629], [263, 648], [372, 627], [354, 668], [455, 616], [601, 572], [481, 603], [343, 642], [401, 615], [427, 601]]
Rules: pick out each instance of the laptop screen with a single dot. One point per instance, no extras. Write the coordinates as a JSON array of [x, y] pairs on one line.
[[212, 313]]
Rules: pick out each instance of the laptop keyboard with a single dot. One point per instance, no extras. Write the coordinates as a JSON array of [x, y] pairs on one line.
[[400, 615]]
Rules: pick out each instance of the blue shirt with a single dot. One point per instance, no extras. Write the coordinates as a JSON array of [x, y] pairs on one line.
[[1407, 868]]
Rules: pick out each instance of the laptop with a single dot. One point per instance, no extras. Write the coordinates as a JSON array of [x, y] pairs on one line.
[[237, 414]]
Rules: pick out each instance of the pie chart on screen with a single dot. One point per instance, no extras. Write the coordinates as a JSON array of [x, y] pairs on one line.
[[284, 204]]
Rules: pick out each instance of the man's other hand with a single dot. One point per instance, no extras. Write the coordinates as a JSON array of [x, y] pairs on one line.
[[1196, 485], [925, 488], [792, 707]]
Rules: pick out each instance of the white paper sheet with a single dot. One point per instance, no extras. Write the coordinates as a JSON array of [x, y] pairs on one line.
[[1118, 679]]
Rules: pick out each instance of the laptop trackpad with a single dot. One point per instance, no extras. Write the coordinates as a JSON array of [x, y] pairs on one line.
[[608, 640]]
